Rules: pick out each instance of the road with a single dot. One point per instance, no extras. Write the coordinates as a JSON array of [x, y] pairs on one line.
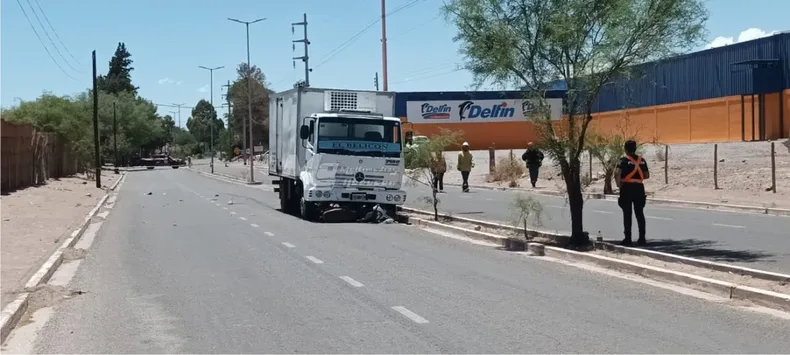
[[751, 240], [182, 270]]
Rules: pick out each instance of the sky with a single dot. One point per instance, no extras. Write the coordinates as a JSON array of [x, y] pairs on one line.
[[170, 39]]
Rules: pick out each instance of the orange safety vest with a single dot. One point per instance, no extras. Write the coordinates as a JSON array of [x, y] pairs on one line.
[[637, 170]]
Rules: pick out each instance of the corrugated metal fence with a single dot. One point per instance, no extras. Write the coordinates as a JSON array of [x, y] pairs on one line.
[[30, 157]]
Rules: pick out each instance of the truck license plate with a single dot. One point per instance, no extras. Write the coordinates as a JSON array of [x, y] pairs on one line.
[[359, 196]]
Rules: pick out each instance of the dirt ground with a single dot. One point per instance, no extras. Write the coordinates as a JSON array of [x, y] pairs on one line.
[[36, 220], [744, 173]]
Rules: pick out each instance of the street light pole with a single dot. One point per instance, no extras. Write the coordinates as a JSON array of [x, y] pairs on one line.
[[249, 96], [211, 100], [115, 137]]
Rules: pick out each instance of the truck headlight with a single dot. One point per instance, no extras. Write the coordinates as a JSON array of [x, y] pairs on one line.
[[397, 198], [318, 194], [327, 194], [389, 197]]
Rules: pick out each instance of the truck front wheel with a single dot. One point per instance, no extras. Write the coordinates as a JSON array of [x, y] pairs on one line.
[[308, 210]]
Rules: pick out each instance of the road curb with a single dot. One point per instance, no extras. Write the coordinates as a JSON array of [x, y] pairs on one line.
[[14, 311], [724, 289], [667, 257], [680, 203]]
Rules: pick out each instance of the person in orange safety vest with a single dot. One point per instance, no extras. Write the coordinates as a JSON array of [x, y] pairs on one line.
[[630, 175]]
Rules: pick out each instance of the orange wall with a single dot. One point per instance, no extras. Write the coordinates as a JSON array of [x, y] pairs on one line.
[[714, 120]]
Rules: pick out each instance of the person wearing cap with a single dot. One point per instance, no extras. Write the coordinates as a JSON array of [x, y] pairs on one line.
[[465, 165], [630, 175], [534, 159]]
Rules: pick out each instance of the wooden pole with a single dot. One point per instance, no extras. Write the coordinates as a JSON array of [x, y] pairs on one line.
[[716, 166], [666, 164], [491, 160], [96, 124], [773, 168]]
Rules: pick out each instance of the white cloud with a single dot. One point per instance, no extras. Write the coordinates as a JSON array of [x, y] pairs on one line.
[[203, 88], [747, 35], [166, 80]]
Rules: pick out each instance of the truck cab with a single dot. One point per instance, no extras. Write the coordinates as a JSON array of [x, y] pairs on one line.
[[329, 157], [354, 160]]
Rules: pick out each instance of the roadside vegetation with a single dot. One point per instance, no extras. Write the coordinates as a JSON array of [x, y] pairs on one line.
[[581, 45]]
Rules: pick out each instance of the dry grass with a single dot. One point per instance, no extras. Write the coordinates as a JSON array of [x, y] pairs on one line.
[[508, 169]]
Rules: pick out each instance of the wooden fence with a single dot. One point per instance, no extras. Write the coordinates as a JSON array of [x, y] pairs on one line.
[[30, 157]]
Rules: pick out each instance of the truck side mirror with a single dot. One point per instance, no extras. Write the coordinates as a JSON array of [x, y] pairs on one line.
[[304, 132]]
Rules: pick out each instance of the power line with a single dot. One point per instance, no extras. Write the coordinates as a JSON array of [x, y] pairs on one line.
[[429, 77], [56, 33], [353, 38], [398, 35], [50, 38], [343, 46], [42, 42]]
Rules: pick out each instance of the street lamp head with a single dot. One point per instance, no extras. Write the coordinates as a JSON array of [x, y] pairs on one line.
[[246, 22]]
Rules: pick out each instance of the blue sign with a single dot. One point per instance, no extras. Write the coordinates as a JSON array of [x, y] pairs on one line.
[[360, 146]]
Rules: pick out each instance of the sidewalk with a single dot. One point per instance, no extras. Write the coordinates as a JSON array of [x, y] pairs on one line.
[[36, 220], [744, 174]]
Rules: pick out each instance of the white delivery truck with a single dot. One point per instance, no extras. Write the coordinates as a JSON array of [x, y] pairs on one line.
[[335, 149]]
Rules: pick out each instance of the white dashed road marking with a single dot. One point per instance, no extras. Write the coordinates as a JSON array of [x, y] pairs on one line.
[[243, 218], [254, 225], [411, 315], [661, 218], [225, 208], [269, 234], [351, 281], [289, 245], [314, 259], [727, 225]]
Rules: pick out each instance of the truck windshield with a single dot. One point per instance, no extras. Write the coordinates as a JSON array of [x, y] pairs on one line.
[[359, 136]]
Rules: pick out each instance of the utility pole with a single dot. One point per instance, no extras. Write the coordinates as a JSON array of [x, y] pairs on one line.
[[305, 58], [179, 113], [96, 124], [376, 81], [384, 43], [115, 137], [211, 101], [227, 99], [249, 96]]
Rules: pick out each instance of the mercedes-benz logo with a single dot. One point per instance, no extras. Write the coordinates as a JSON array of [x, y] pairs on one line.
[[359, 177]]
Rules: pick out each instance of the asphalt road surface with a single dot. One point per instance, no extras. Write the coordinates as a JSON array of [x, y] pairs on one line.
[[751, 240], [182, 270]]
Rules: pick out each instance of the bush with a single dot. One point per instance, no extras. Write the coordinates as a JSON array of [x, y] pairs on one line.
[[508, 169]]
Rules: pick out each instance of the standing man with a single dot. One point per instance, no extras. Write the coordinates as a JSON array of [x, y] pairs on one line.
[[534, 159], [438, 168], [465, 165], [630, 176]]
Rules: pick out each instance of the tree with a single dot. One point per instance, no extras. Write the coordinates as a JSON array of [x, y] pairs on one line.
[[169, 125], [199, 124], [531, 44], [425, 156], [119, 76], [260, 104]]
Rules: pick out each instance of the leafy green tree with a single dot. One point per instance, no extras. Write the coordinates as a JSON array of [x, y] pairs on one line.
[[119, 76], [260, 104], [529, 44], [199, 125]]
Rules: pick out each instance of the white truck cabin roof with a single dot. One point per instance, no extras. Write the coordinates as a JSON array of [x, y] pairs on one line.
[[364, 116]]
